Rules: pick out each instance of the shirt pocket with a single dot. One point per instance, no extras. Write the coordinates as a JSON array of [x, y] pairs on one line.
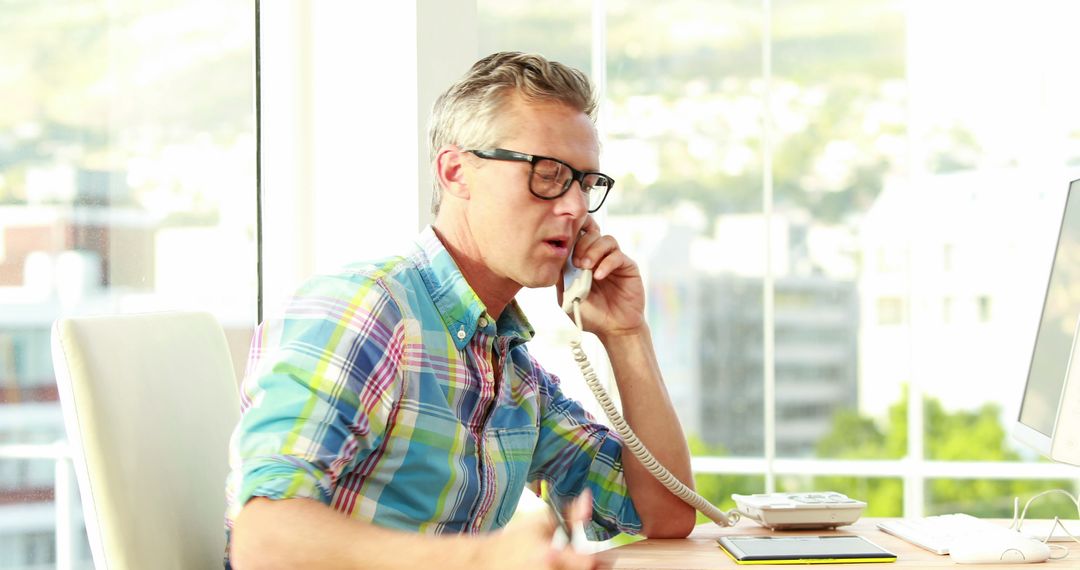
[[516, 446]]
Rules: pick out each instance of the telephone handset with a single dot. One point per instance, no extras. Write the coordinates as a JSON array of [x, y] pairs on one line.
[[576, 285]]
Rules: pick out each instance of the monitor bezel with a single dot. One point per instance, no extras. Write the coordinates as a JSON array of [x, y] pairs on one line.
[[1044, 443]]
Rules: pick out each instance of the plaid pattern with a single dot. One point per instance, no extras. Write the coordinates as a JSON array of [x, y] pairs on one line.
[[376, 394]]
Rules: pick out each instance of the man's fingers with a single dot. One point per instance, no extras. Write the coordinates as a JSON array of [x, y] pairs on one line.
[[545, 522], [596, 248], [581, 509]]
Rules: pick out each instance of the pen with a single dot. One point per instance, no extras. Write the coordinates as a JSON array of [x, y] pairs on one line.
[[565, 533]]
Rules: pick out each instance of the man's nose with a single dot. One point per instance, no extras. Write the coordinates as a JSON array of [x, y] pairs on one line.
[[574, 200]]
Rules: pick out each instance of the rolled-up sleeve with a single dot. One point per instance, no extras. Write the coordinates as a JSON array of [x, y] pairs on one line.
[[320, 385], [574, 452]]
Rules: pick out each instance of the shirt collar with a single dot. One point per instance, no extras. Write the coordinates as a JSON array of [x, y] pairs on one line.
[[458, 305]]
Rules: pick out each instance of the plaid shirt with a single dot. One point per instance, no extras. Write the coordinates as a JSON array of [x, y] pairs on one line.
[[376, 394]]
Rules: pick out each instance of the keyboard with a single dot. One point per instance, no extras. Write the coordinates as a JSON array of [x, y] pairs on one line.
[[934, 533]]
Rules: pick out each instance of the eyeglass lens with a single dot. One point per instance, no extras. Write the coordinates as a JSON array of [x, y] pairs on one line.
[[551, 179]]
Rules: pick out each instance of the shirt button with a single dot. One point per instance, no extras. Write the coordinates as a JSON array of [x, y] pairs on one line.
[[483, 322], [461, 333]]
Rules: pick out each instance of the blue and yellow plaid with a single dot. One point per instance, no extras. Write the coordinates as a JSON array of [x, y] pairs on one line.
[[375, 393]]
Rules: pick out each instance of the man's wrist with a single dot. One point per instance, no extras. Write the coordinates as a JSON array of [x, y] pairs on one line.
[[625, 335]]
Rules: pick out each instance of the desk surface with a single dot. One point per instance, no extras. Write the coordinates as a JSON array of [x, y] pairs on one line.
[[700, 551]]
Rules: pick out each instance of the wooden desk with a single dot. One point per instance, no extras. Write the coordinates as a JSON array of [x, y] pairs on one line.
[[700, 551]]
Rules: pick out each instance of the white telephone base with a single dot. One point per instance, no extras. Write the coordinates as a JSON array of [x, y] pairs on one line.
[[826, 509]]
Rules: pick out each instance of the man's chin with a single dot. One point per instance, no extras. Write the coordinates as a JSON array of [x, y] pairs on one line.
[[539, 282]]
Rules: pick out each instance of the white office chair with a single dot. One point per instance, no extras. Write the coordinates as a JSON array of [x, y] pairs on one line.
[[149, 404]]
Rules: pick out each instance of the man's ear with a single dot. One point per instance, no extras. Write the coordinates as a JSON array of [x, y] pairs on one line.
[[450, 170]]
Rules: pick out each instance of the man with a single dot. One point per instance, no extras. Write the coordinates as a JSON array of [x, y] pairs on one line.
[[394, 415]]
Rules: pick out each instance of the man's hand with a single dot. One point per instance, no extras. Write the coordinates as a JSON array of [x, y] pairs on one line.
[[614, 310], [616, 302], [526, 543]]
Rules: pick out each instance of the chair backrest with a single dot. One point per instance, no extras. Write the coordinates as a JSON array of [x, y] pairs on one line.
[[149, 403]]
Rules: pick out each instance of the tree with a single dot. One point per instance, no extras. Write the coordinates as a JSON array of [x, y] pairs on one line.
[[976, 435]]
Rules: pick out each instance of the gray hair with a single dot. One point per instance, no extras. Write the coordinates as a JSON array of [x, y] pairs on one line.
[[465, 114]]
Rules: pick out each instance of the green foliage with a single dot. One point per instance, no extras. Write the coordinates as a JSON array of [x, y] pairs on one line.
[[718, 488], [838, 37], [93, 83], [976, 435], [853, 437], [835, 64]]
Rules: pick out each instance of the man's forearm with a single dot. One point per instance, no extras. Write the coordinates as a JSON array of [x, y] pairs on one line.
[[647, 408], [302, 533]]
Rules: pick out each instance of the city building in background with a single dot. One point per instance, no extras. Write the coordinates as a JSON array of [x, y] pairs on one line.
[[816, 335], [127, 184], [858, 219]]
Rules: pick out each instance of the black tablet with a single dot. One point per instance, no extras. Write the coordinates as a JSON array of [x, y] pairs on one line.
[[803, 549]]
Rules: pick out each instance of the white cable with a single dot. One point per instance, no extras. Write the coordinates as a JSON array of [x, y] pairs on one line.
[[1019, 521], [634, 445]]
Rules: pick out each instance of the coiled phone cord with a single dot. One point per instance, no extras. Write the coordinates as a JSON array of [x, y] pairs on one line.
[[634, 444]]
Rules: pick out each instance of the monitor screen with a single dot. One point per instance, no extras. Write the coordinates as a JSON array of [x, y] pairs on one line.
[[1057, 328]]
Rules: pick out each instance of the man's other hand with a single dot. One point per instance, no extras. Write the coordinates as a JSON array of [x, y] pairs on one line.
[[527, 542]]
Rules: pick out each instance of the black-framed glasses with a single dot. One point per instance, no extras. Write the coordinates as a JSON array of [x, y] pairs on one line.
[[551, 177]]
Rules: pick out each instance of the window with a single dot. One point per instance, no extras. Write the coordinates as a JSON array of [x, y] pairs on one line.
[[127, 184], [890, 311], [890, 260], [851, 138], [985, 315], [836, 136]]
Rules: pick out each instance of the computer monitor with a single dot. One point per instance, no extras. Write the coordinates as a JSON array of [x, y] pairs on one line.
[[1049, 418]]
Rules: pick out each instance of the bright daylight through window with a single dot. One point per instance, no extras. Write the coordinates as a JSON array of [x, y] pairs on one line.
[[127, 183], [844, 212], [849, 162]]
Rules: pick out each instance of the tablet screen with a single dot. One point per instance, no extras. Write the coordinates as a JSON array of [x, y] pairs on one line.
[[747, 548]]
